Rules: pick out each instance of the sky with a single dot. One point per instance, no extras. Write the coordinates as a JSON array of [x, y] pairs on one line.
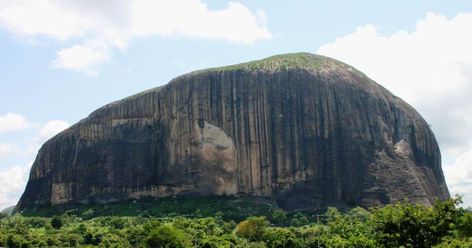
[[60, 60]]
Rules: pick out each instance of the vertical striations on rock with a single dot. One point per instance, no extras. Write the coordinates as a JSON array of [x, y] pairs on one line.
[[305, 129]]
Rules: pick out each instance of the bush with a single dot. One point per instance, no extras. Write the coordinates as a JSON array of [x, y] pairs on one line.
[[402, 225], [168, 236], [70, 240], [252, 228], [279, 217], [464, 225], [36, 222], [278, 237], [455, 243], [92, 238], [216, 241], [17, 241], [56, 222], [444, 216], [3, 238], [113, 240], [299, 219]]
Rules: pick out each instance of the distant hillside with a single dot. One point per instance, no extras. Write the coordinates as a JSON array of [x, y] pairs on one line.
[[8, 210]]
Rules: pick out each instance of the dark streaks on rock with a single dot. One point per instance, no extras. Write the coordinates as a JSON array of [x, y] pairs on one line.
[[305, 129]]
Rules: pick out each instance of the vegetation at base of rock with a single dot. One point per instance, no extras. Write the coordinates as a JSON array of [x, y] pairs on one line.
[[395, 225], [235, 208]]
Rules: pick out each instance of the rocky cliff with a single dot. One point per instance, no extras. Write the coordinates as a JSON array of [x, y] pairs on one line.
[[306, 130]]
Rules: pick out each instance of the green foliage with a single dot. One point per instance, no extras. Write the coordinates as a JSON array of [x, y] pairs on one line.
[[167, 236], [36, 222], [279, 217], [56, 222], [278, 237], [464, 225], [455, 243], [91, 238], [284, 62], [398, 225], [234, 208], [252, 228], [299, 219], [405, 224], [17, 241]]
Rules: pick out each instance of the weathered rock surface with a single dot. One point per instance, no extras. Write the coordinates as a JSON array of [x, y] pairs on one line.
[[304, 129]]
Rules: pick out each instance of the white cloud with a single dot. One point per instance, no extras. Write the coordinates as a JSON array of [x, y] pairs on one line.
[[5, 149], [12, 183], [459, 176], [431, 68], [98, 27], [13, 179], [12, 122], [52, 128], [192, 18], [81, 58]]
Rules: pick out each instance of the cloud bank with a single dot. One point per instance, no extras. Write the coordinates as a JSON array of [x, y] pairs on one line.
[[431, 68], [97, 28]]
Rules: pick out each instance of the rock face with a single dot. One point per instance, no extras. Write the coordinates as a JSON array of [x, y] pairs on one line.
[[306, 130]]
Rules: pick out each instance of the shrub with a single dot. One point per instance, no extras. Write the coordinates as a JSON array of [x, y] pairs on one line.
[[36, 222], [168, 236], [405, 224], [464, 225], [252, 228], [299, 219], [56, 222], [279, 217], [17, 241], [278, 237], [3, 215], [455, 243], [92, 238]]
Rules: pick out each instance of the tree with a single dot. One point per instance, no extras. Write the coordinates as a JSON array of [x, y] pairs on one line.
[[168, 236], [444, 215], [56, 222], [299, 219], [92, 239], [464, 225], [279, 217], [403, 224], [17, 241], [278, 237], [252, 228]]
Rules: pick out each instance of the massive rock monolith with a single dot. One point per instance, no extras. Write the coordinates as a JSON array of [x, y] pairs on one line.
[[303, 129]]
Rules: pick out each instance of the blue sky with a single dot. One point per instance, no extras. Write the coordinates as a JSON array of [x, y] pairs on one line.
[[60, 61]]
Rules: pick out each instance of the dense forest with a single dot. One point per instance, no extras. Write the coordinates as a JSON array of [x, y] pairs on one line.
[[153, 224]]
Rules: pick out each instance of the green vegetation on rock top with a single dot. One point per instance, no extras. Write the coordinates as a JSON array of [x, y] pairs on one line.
[[288, 61], [281, 62]]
